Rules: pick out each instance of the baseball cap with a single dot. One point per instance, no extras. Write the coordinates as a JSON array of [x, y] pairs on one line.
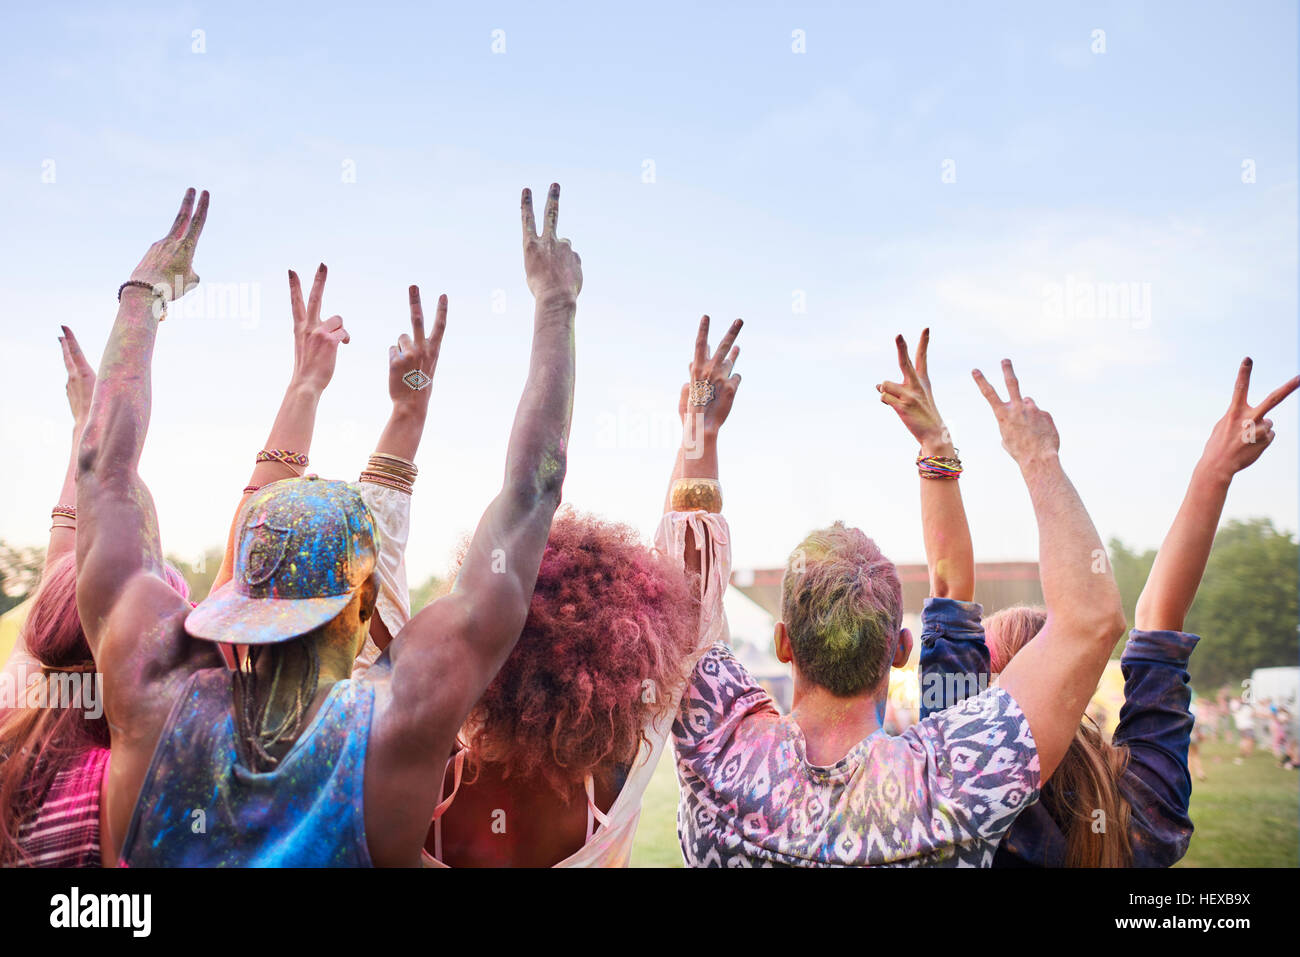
[[303, 548]]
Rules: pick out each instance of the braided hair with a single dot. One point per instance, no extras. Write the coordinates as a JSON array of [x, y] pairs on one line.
[[259, 738]]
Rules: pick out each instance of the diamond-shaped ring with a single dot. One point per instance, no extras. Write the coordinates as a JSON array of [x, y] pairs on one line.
[[416, 379]]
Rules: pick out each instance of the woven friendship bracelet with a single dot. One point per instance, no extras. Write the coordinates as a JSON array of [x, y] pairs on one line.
[[293, 460], [939, 466]]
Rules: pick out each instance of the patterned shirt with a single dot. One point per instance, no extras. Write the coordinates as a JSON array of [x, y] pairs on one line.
[[64, 830], [941, 794]]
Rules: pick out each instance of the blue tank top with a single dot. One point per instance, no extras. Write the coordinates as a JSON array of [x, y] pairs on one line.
[[199, 807]]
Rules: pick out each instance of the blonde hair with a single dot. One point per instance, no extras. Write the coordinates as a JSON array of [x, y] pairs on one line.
[[1087, 779]]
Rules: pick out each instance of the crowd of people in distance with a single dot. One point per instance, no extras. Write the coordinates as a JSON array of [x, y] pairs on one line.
[[300, 715], [1231, 717]]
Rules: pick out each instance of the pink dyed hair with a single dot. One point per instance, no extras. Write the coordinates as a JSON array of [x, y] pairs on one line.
[[37, 743], [610, 627]]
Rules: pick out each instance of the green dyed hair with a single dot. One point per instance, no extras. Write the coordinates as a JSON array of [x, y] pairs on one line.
[[842, 605]]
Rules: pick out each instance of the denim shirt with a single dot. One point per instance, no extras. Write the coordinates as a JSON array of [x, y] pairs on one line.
[[1155, 725]]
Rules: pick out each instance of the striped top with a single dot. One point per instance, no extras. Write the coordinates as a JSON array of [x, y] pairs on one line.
[[64, 830]]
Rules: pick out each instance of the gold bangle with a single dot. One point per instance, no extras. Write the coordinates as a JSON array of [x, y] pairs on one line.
[[59, 525], [395, 459], [387, 466], [388, 469], [696, 495]]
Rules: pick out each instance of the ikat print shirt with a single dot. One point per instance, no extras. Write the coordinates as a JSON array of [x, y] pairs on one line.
[[942, 794]]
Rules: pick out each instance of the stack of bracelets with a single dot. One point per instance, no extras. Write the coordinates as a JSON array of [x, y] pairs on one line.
[[295, 462], [390, 471], [939, 466], [696, 495], [68, 512]]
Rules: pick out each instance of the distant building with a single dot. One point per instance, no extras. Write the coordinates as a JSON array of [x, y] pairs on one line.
[[998, 585]]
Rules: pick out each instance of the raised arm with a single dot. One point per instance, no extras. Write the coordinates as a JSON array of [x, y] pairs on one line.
[[119, 555], [63, 516], [315, 352], [1054, 676], [387, 481], [447, 654], [1155, 723], [132, 618], [438, 666], [703, 407], [80, 389], [1238, 439], [948, 549], [692, 531], [953, 654]]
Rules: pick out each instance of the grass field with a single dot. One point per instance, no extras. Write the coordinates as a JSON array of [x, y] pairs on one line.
[[1245, 815]]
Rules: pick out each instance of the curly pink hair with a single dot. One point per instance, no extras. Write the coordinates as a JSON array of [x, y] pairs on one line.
[[609, 632]]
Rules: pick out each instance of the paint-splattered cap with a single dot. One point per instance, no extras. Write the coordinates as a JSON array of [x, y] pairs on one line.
[[303, 548]]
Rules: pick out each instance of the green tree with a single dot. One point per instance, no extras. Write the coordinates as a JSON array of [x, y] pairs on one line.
[[1131, 571], [1246, 608], [421, 595], [20, 570]]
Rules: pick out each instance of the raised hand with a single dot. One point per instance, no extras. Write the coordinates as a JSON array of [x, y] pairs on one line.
[[913, 399], [169, 263], [1028, 433], [315, 343], [712, 378], [81, 377], [1242, 435], [551, 266], [412, 361]]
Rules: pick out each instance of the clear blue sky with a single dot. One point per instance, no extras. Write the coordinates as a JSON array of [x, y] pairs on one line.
[[778, 176]]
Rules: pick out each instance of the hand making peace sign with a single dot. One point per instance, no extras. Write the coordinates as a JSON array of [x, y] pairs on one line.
[[1242, 435], [712, 387], [315, 343], [411, 362]]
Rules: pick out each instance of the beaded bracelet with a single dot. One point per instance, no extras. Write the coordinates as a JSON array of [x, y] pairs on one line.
[[140, 283], [66, 511], [376, 478]]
